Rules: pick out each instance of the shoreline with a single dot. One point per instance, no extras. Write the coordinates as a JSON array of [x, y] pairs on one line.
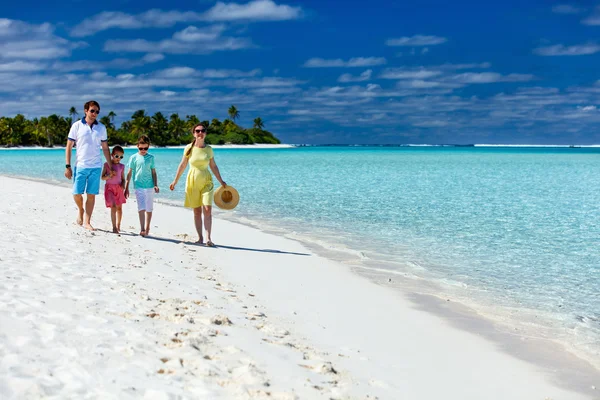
[[330, 314], [473, 313], [507, 324]]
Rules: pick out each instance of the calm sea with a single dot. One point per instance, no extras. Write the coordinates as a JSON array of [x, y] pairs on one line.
[[513, 232]]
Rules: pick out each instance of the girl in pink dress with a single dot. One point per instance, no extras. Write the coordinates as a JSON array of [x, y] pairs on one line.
[[114, 194]]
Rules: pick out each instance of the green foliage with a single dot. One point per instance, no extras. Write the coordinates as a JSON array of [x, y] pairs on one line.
[[53, 130]]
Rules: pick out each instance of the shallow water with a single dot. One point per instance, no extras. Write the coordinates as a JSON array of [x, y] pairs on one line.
[[513, 231]]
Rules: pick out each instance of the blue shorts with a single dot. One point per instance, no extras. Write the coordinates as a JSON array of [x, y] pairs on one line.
[[86, 180]]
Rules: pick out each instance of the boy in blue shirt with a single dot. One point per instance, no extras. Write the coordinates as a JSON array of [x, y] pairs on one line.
[[145, 182]]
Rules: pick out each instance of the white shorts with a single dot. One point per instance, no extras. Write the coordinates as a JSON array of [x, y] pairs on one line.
[[145, 199]]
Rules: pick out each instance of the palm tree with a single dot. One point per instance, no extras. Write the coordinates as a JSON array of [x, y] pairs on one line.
[[176, 127], [233, 113], [111, 116], [258, 123], [159, 128], [140, 124], [72, 112]]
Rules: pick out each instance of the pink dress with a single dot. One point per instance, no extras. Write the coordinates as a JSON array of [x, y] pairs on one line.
[[113, 191]]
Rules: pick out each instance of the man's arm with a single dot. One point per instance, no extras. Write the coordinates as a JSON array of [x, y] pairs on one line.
[[68, 152], [106, 152]]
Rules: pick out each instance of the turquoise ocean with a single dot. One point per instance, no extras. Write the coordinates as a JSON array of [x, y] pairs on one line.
[[513, 232]]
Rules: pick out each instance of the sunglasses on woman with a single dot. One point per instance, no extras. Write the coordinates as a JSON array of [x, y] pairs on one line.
[[200, 130]]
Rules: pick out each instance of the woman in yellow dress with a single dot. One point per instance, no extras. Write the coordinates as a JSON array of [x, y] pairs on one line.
[[199, 189]]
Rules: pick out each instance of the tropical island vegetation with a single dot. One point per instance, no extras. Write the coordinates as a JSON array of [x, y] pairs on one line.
[[53, 130]]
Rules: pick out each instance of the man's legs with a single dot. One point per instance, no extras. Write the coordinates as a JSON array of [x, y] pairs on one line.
[[92, 189], [79, 184], [79, 203], [89, 209]]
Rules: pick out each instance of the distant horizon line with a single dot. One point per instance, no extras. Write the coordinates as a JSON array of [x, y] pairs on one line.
[[448, 145]]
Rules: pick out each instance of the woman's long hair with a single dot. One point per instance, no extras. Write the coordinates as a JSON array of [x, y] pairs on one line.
[[189, 151]]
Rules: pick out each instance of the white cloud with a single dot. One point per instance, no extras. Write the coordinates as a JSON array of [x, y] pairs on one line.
[[490, 77], [566, 9], [338, 62], [20, 40], [118, 63], [403, 73], [593, 19], [153, 57], [258, 10], [116, 19], [21, 66], [417, 40], [465, 66], [561, 50], [191, 40], [427, 123], [365, 76]]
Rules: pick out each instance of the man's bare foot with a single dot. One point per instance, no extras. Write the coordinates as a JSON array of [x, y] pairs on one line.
[[147, 232], [89, 227], [210, 244], [115, 229], [200, 241], [79, 219], [142, 233]]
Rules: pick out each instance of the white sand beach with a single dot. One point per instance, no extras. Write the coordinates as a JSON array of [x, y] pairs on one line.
[[102, 316]]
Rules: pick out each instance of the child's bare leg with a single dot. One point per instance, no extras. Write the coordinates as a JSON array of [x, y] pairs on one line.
[[142, 215], [119, 217], [148, 219], [79, 203], [113, 218]]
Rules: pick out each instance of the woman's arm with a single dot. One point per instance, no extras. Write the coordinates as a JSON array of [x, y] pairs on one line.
[[180, 169], [215, 170]]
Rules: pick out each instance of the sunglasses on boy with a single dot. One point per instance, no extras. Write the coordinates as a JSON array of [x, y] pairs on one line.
[[143, 148], [200, 130]]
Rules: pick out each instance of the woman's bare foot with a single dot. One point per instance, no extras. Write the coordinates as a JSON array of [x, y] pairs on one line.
[[89, 227], [210, 244], [115, 229], [142, 233], [200, 241], [147, 232]]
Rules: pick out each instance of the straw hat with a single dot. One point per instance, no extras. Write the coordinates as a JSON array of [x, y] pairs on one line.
[[227, 198]]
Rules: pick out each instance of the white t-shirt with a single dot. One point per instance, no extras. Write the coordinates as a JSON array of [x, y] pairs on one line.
[[88, 141]]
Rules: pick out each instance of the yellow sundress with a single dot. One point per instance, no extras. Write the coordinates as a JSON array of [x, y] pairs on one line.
[[199, 188]]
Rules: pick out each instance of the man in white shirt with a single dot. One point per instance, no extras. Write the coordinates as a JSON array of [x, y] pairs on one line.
[[90, 137]]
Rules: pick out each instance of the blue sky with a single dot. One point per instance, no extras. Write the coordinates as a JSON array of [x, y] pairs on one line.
[[317, 71]]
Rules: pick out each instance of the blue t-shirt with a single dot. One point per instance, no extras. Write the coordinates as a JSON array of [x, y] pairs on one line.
[[141, 170]]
